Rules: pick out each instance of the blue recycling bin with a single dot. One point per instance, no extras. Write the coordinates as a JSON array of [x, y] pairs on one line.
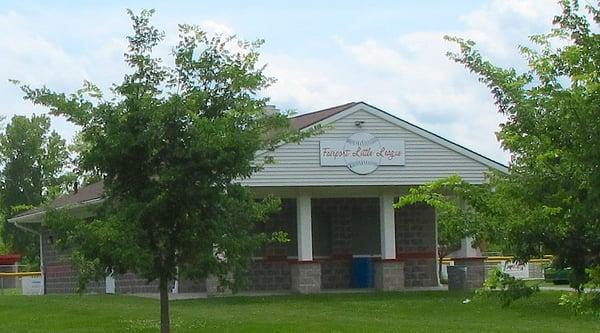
[[363, 272]]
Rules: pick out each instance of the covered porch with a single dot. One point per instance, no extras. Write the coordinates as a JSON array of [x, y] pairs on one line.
[[333, 229]]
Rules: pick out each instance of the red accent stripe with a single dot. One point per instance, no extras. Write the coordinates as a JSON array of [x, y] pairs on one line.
[[302, 262], [415, 255], [341, 256], [387, 260]]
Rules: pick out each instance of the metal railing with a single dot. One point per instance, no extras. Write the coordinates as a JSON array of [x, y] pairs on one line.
[[10, 277]]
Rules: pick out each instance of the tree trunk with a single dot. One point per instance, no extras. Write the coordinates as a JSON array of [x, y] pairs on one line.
[[165, 326]]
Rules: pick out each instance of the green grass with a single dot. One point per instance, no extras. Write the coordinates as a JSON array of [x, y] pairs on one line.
[[394, 312], [10, 291]]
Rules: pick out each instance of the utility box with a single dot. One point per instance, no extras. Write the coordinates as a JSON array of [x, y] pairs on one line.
[[32, 285]]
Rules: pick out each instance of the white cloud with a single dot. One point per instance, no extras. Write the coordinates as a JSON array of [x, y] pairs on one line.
[[408, 75], [39, 49], [412, 77], [212, 26]]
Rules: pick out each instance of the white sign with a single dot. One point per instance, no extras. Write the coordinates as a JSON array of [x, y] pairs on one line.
[[32, 285], [516, 269], [362, 152]]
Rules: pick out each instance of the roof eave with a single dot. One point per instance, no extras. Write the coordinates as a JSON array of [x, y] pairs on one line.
[[80, 209]]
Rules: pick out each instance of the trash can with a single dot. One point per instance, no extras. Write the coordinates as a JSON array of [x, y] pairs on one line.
[[457, 278], [363, 272]]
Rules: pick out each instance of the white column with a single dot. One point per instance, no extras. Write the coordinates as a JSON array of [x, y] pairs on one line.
[[304, 221], [387, 226]]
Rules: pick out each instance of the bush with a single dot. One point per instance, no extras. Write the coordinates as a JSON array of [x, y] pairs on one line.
[[585, 302], [505, 287]]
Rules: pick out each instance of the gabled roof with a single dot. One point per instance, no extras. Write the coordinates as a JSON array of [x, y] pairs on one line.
[[308, 119], [347, 109], [85, 195], [93, 193]]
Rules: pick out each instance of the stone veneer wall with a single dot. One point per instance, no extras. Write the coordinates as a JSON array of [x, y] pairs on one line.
[[416, 244]]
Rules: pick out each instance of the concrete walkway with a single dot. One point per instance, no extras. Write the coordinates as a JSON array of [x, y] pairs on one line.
[[566, 288]]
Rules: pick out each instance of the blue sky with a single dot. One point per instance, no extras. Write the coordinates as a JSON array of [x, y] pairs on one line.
[[387, 53]]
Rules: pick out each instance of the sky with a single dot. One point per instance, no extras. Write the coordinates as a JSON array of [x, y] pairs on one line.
[[390, 54]]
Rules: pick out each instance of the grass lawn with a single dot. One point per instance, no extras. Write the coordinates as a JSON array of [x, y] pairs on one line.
[[393, 312]]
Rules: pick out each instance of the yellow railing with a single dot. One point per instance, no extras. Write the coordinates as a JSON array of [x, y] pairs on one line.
[[498, 259], [21, 274]]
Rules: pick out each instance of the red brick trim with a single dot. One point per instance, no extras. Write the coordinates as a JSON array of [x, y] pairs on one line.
[[387, 260], [341, 256], [275, 258], [271, 259], [303, 262], [416, 255]]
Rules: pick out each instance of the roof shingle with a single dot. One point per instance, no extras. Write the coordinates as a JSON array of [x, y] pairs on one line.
[[308, 119]]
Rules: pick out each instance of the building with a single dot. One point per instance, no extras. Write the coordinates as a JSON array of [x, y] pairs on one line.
[[338, 190]]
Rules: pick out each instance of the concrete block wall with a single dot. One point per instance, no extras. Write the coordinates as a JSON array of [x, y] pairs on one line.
[[339, 212], [306, 277], [283, 220], [189, 286], [416, 244], [131, 283], [269, 275], [467, 273], [60, 277], [336, 273], [336, 268], [389, 275], [420, 272]]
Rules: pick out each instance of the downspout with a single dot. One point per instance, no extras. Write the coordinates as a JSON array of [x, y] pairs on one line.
[[437, 252], [41, 250]]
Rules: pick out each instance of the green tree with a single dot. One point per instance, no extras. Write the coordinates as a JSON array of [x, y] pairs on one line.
[[173, 144], [553, 134], [34, 160], [460, 210]]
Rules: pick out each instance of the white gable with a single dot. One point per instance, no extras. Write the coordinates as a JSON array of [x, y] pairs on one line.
[[427, 156]]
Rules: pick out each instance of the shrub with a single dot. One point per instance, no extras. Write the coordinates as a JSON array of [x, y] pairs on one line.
[[585, 302], [505, 287]]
